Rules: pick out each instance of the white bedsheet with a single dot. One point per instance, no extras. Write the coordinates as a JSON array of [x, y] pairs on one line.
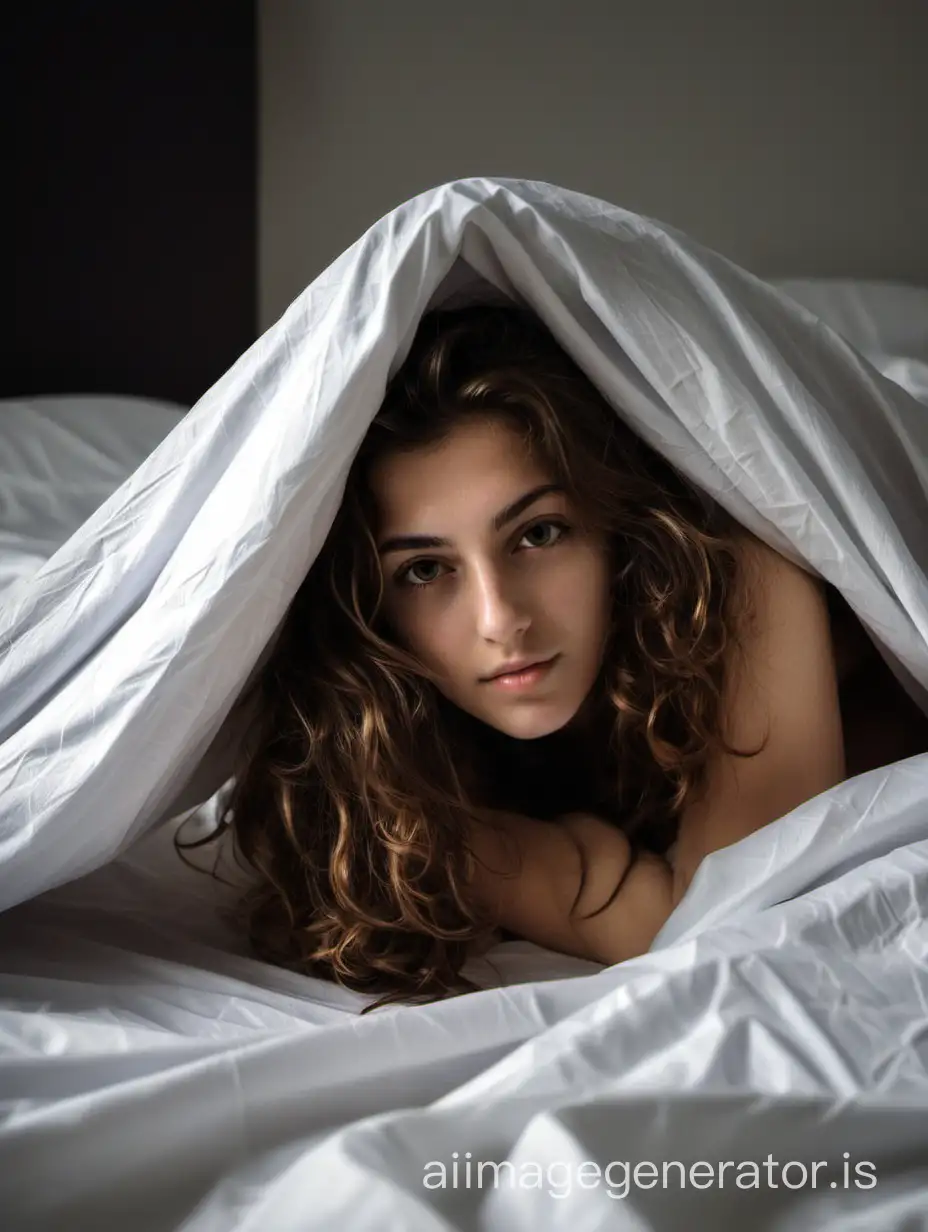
[[154, 1076]]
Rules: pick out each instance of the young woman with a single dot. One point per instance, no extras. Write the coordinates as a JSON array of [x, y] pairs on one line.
[[532, 679]]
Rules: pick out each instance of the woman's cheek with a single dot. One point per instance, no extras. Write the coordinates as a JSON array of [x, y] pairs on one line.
[[432, 634]]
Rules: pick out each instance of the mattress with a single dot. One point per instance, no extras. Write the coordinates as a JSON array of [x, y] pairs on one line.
[[764, 1065]]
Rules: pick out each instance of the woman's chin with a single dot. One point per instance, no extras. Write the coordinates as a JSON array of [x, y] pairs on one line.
[[526, 726]]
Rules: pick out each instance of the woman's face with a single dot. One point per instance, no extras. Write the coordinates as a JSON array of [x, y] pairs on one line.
[[481, 568]]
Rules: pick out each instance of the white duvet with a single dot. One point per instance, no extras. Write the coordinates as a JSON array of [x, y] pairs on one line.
[[153, 1076]]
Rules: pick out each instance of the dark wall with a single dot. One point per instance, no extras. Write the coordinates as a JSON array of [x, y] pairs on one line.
[[131, 168]]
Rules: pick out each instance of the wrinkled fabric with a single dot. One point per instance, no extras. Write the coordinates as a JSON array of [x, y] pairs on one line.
[[154, 1075]]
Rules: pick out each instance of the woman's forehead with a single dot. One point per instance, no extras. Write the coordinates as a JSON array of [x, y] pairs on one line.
[[477, 462]]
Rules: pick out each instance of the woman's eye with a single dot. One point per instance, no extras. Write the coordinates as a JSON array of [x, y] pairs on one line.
[[405, 575], [412, 574], [559, 527]]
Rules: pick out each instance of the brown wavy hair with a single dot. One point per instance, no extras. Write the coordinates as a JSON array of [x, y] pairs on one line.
[[357, 780]]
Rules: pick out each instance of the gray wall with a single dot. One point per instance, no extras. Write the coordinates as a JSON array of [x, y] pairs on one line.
[[792, 135]]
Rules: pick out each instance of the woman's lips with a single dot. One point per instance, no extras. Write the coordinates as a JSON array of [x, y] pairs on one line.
[[526, 679]]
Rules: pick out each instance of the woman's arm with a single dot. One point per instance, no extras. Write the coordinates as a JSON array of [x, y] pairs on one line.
[[784, 685], [544, 879]]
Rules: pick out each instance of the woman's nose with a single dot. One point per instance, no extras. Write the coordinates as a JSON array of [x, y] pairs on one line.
[[502, 608]]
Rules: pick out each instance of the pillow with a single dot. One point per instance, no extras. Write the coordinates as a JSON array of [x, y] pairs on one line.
[[887, 322], [60, 458]]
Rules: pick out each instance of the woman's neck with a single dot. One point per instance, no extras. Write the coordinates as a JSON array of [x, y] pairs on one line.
[[565, 771]]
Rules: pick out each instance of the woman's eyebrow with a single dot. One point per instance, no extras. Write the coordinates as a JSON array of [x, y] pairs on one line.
[[405, 543]]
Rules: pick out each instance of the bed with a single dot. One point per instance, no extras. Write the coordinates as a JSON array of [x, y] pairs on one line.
[[154, 1075]]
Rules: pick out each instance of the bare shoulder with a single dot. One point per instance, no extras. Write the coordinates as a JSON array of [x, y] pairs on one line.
[[766, 575], [779, 702], [782, 675], [784, 622]]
